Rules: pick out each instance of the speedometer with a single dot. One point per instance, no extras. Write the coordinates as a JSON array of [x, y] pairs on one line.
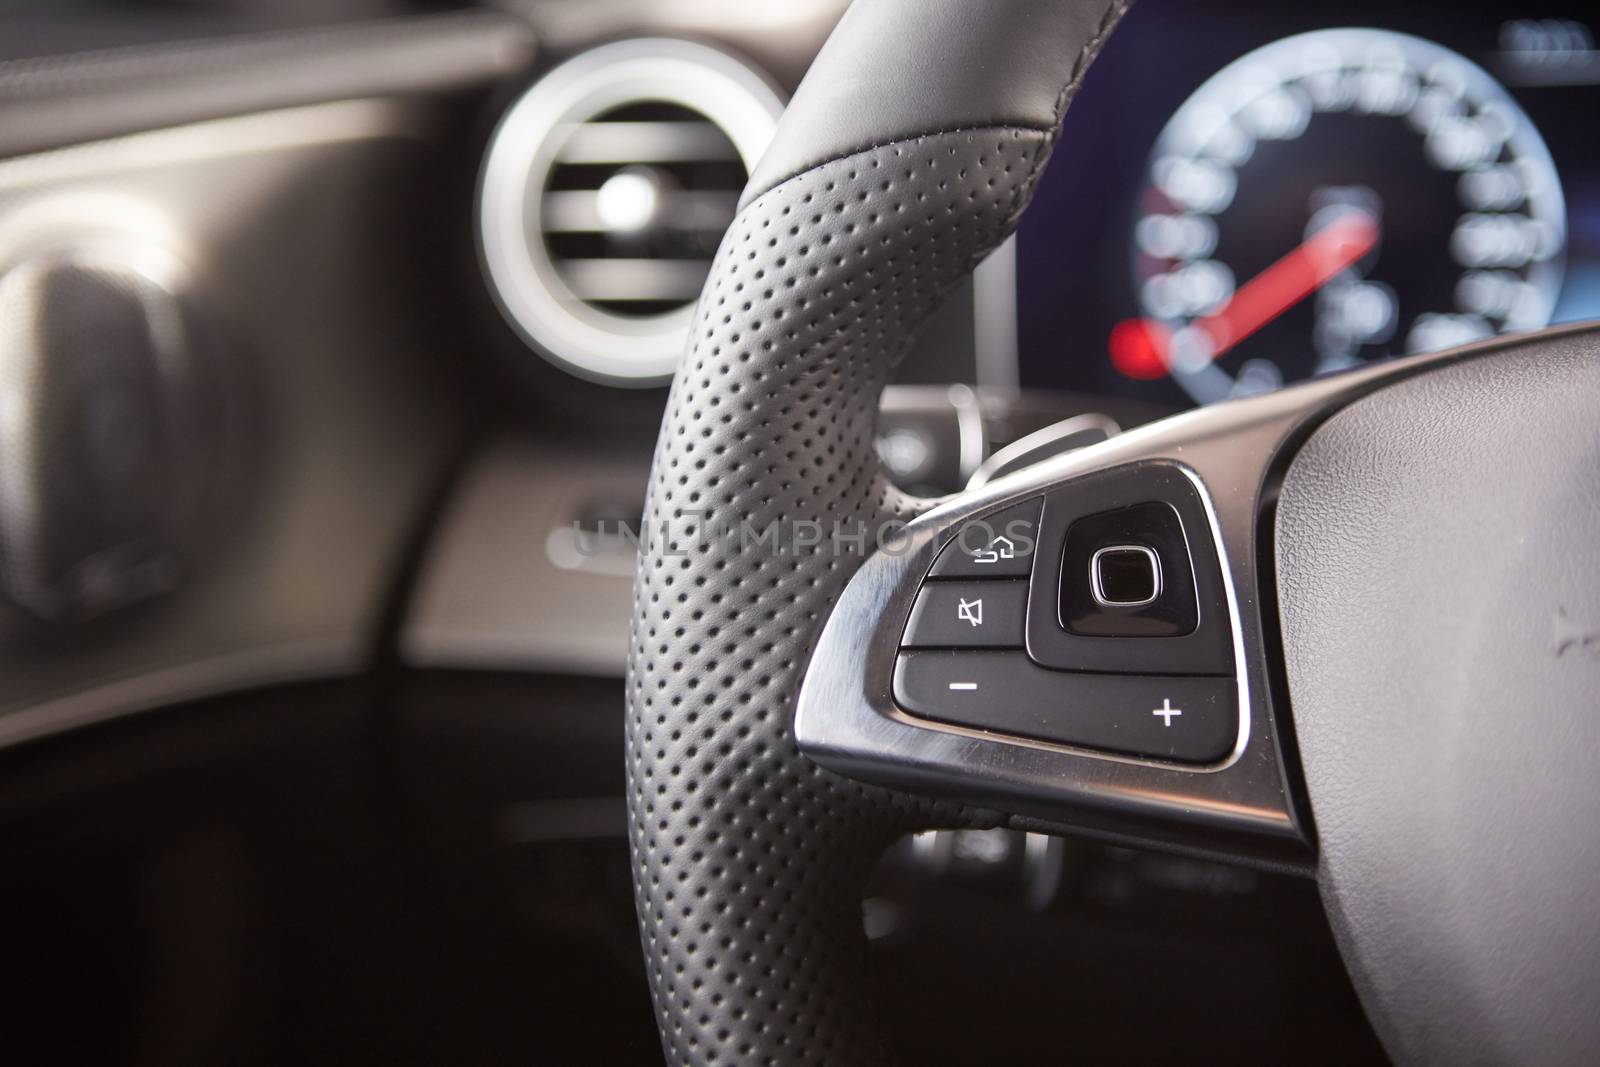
[[1333, 198]]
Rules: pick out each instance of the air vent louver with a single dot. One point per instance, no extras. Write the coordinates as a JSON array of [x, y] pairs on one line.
[[636, 203], [606, 191]]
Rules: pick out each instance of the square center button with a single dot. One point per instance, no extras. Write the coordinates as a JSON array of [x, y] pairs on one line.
[[1125, 576]]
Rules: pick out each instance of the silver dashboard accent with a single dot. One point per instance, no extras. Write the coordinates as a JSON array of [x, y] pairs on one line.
[[294, 580], [559, 309], [266, 665], [511, 582], [151, 151], [847, 719]]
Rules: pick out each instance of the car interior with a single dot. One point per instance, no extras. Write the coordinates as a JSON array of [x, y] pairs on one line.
[[799, 531]]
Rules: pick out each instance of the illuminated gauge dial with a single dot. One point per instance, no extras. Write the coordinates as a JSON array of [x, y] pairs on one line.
[[1334, 198]]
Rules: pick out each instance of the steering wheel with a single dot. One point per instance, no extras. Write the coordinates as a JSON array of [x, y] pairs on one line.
[[1370, 653]]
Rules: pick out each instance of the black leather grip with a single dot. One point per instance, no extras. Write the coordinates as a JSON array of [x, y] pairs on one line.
[[908, 154]]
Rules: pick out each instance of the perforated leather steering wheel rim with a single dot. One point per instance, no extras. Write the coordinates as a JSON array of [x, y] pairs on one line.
[[908, 155]]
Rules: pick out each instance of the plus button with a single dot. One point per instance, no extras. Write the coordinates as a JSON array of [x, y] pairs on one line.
[[1167, 711]]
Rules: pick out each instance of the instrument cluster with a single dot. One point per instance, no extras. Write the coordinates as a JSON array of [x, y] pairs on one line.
[[1278, 195]]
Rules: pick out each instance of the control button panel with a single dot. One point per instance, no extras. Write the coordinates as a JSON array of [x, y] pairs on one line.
[[1095, 616], [968, 615], [998, 545], [1182, 719]]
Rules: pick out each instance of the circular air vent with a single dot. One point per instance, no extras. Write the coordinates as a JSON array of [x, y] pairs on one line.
[[606, 190]]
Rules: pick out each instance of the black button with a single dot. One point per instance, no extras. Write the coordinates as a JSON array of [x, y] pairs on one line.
[[968, 615], [1126, 573], [997, 545], [1184, 719], [1125, 576]]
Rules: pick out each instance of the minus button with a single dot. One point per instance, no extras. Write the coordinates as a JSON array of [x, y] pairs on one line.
[[963, 685]]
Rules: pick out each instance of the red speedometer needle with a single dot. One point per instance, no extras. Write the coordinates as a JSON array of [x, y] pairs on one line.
[[1140, 348]]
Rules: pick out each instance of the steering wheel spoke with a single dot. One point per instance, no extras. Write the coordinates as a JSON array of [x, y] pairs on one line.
[[1087, 642]]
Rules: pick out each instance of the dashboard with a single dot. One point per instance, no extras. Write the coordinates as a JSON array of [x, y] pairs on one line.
[[1247, 195]]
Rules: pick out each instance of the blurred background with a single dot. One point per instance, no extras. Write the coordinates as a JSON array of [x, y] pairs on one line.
[[334, 337]]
